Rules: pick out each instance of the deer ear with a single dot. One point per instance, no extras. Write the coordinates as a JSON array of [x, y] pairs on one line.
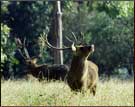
[[93, 47], [34, 60], [73, 47]]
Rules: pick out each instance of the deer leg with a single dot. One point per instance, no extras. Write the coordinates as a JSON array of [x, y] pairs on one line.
[[40, 76], [94, 90]]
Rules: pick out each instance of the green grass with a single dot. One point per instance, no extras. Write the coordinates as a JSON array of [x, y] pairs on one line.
[[109, 93]]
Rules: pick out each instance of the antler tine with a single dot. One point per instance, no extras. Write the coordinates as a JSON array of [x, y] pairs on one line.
[[26, 53], [51, 46], [69, 39], [24, 41], [82, 36], [19, 46], [25, 49], [18, 42], [22, 54], [74, 36]]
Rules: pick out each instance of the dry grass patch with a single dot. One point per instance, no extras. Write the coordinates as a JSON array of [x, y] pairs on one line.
[[113, 92]]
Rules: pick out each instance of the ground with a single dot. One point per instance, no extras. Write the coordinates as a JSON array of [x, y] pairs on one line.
[[113, 92]]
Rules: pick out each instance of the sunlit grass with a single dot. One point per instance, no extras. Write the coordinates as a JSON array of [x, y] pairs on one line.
[[113, 92]]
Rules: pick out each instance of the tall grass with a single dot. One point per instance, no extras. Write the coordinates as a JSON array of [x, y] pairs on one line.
[[109, 93]]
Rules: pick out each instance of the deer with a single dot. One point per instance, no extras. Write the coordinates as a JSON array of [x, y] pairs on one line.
[[83, 74], [41, 71]]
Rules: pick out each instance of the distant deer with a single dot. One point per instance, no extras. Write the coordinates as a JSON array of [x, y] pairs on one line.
[[42, 71], [83, 74]]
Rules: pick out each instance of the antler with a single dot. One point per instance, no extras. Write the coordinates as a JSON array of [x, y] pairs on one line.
[[22, 45], [51, 46], [18, 42], [75, 38], [69, 39], [25, 50]]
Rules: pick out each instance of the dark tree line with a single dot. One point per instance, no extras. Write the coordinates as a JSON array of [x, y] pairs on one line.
[[107, 24]]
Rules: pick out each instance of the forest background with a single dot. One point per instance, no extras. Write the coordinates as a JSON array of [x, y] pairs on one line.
[[106, 24]]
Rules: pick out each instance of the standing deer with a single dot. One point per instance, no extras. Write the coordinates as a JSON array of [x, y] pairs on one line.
[[42, 71], [83, 74]]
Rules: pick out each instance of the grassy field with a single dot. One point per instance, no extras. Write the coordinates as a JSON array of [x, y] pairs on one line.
[[113, 92]]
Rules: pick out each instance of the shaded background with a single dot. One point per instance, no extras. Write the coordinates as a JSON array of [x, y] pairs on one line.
[[107, 24]]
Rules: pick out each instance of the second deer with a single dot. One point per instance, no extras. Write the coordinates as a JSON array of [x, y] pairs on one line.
[[41, 71]]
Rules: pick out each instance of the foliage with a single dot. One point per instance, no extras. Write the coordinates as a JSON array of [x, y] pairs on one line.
[[113, 42], [4, 37], [7, 49], [7, 45], [27, 19], [112, 33], [107, 24]]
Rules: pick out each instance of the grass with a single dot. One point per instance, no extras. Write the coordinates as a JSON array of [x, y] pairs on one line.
[[25, 93]]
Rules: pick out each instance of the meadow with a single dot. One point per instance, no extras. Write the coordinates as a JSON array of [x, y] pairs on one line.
[[113, 92]]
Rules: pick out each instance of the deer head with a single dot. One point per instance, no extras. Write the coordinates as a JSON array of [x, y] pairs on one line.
[[82, 50], [30, 61], [78, 50]]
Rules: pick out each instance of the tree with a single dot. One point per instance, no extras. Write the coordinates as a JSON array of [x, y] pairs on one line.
[[107, 24], [55, 32], [108, 28], [27, 20]]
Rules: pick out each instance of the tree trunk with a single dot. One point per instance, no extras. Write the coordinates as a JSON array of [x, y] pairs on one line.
[[130, 69], [59, 54], [55, 33]]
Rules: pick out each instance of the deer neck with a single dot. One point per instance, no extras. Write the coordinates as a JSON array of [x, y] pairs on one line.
[[79, 59], [33, 66], [78, 64]]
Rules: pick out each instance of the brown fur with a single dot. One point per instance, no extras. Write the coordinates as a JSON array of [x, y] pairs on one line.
[[83, 74], [55, 71], [36, 70]]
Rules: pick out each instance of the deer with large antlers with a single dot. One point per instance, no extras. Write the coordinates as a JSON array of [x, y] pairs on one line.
[[83, 74], [42, 71]]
